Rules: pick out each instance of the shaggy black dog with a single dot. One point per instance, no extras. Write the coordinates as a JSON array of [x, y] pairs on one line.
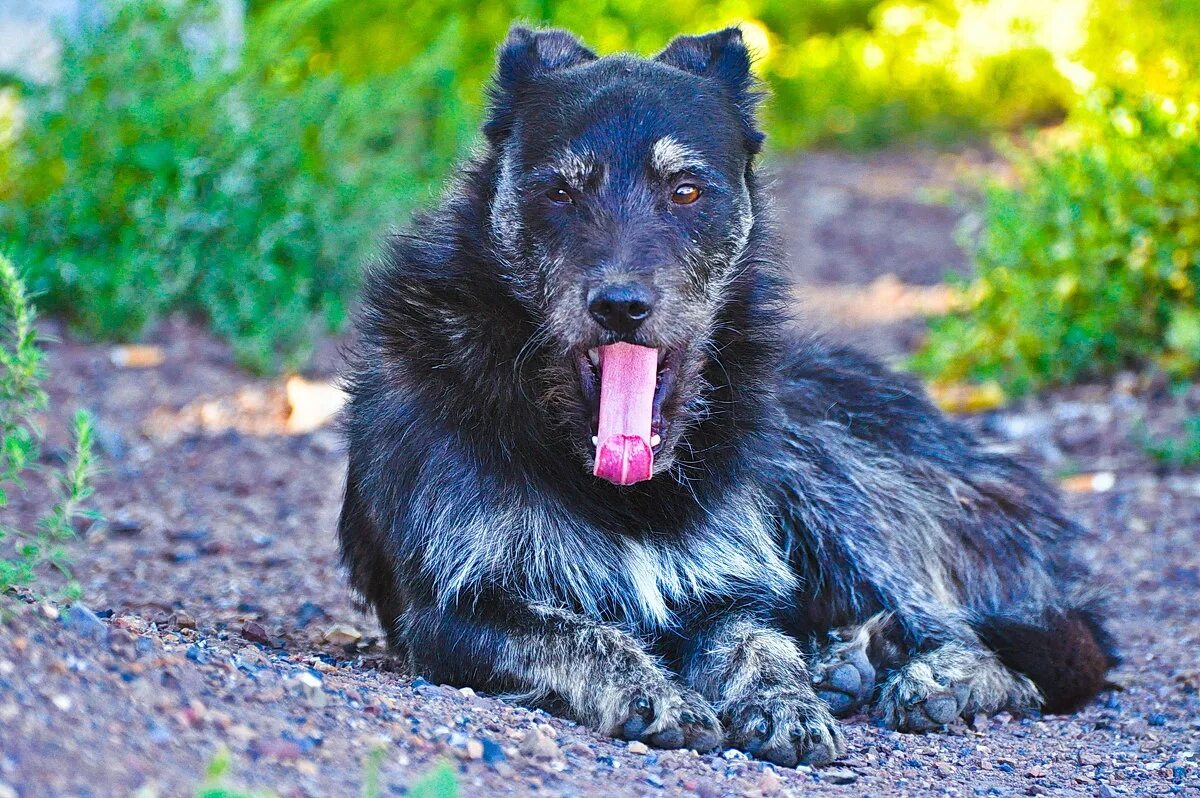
[[591, 466]]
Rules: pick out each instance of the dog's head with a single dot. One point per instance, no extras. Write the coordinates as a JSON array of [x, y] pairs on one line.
[[620, 211]]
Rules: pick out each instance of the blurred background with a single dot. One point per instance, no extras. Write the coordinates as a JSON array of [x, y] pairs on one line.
[[238, 159]]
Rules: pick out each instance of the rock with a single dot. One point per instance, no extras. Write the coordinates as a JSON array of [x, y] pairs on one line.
[[282, 750], [492, 752], [474, 749], [309, 686], [638, 747], [84, 623], [7, 792], [183, 620], [838, 775], [341, 634], [538, 746], [770, 783], [255, 633], [197, 655]]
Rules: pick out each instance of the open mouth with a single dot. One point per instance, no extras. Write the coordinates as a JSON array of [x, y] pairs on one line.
[[625, 387]]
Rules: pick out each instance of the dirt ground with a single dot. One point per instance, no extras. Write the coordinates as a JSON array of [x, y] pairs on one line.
[[217, 615]]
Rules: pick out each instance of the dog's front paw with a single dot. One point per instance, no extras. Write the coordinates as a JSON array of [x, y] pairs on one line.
[[937, 688], [670, 716], [787, 727], [844, 680]]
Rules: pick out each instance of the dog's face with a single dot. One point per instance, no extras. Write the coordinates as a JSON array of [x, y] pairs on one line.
[[621, 209]]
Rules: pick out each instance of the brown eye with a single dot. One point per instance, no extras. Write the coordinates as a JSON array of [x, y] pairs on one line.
[[685, 194], [559, 196]]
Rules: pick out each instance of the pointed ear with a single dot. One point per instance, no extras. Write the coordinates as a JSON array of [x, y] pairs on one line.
[[721, 55], [526, 54]]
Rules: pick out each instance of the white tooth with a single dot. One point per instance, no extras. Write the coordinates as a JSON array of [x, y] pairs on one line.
[[595, 441], [594, 356], [655, 440]]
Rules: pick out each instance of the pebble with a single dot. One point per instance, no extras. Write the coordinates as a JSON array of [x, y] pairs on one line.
[[7, 792], [85, 623], [493, 753], [183, 620], [638, 747], [255, 633], [537, 745], [341, 634], [283, 750], [838, 775]]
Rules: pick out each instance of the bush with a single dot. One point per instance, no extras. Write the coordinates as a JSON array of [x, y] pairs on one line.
[[160, 174], [1091, 263], [152, 178], [26, 555]]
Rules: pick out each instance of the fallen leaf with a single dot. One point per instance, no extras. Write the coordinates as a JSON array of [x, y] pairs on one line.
[[136, 356]]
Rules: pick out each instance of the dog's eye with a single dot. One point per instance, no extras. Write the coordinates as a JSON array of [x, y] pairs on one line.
[[685, 194], [559, 195]]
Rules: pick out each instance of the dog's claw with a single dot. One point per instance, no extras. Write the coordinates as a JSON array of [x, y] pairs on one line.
[[675, 718], [788, 728]]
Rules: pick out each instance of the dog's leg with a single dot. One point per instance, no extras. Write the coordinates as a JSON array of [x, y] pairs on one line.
[[951, 681], [757, 678], [604, 675]]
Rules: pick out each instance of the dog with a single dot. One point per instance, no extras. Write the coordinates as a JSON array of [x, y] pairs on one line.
[[594, 465]]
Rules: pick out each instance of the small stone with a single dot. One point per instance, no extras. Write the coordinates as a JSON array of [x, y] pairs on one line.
[[85, 623], [492, 752], [183, 620], [197, 655], [638, 747], [838, 775], [341, 634], [62, 702], [1136, 728], [466, 692], [7, 791], [309, 686], [474, 749], [255, 633], [282, 750], [1157, 719], [537, 745], [770, 783]]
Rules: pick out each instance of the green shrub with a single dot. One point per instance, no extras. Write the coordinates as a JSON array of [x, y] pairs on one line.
[[25, 555], [151, 178], [1091, 262], [154, 177]]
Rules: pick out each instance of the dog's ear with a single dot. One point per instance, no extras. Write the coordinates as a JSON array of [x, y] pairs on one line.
[[722, 55], [525, 55]]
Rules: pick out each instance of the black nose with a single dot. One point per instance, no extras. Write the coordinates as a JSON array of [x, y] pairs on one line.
[[621, 307]]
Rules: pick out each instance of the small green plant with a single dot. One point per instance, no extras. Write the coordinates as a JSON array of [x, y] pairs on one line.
[[439, 782], [216, 784], [1182, 451], [25, 555]]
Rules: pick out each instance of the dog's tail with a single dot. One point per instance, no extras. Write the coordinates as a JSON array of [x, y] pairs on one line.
[[1067, 654]]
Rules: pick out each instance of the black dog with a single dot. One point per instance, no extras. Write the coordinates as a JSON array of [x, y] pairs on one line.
[[589, 465]]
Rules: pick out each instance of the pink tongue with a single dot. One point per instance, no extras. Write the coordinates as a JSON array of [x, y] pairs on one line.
[[627, 377]]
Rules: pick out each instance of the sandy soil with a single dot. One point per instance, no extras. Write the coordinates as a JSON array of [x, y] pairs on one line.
[[217, 616]]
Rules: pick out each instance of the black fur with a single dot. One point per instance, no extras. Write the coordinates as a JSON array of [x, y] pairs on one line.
[[809, 508]]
